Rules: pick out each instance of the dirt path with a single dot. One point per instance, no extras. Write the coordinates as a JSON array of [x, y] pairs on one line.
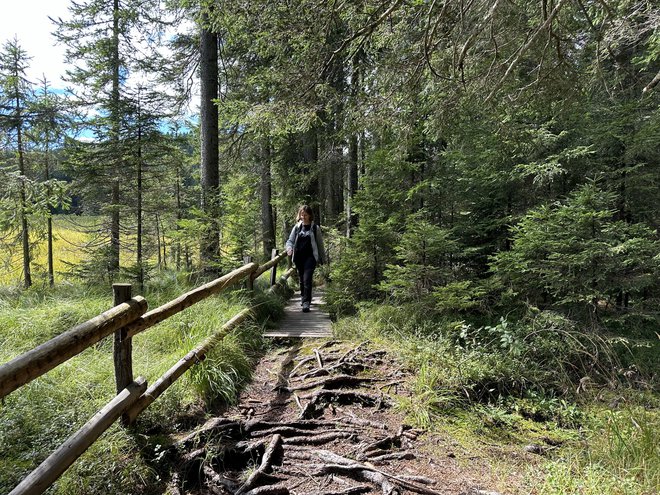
[[320, 417]]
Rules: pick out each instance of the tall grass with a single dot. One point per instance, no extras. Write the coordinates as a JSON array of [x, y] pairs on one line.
[[621, 456], [75, 238], [473, 389], [35, 419]]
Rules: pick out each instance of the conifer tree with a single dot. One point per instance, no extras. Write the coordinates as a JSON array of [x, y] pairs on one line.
[[108, 43], [15, 96], [48, 134]]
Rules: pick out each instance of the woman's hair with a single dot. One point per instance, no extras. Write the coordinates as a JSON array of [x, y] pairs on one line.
[[307, 209]]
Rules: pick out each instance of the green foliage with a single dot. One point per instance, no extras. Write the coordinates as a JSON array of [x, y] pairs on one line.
[[430, 399], [364, 258], [464, 297], [227, 369], [575, 255], [424, 254], [239, 239]]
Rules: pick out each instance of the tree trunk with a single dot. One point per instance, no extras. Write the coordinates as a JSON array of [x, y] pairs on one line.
[[209, 141], [178, 219], [140, 268], [267, 225], [113, 262], [310, 155], [25, 235], [158, 240], [49, 223], [352, 169], [162, 233], [352, 184]]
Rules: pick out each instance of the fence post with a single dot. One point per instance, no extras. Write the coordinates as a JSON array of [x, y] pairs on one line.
[[249, 280], [273, 271], [123, 348]]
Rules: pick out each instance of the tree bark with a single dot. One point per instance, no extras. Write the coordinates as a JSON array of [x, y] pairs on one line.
[[267, 224], [140, 273], [310, 156], [209, 140], [49, 220], [113, 262], [25, 234]]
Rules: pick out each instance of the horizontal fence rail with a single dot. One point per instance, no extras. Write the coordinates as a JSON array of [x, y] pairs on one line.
[[188, 299], [26, 367], [59, 461], [125, 320], [184, 364]]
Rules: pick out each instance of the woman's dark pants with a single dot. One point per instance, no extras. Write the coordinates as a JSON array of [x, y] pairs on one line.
[[305, 269]]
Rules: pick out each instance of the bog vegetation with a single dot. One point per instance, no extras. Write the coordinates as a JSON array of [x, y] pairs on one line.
[[485, 173]]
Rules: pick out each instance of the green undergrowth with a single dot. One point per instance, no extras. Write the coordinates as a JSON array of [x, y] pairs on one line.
[[38, 417], [585, 401]]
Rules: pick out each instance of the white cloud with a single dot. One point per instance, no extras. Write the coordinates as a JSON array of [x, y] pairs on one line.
[[28, 21]]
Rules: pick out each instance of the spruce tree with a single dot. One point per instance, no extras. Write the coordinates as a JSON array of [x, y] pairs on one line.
[[16, 94]]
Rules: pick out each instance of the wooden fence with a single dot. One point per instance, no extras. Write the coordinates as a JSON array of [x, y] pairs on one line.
[[126, 319]]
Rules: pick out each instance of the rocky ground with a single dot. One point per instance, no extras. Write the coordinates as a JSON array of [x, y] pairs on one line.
[[319, 418]]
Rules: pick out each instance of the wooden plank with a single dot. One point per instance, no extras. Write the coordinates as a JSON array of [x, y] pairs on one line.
[[297, 324], [59, 461], [38, 361]]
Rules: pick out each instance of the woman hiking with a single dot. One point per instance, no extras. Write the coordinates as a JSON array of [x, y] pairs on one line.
[[305, 246]]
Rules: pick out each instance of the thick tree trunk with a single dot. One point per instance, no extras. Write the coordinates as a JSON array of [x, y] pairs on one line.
[[353, 149], [352, 184], [310, 155], [113, 262], [209, 141], [267, 223]]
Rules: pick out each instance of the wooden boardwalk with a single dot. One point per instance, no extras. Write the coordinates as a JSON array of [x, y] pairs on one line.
[[295, 323]]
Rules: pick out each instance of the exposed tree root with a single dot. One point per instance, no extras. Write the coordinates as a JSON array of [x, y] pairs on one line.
[[333, 382], [286, 452], [265, 467]]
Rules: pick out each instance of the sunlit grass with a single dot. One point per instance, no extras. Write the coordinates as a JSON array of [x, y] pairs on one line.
[[71, 233], [620, 455], [74, 239]]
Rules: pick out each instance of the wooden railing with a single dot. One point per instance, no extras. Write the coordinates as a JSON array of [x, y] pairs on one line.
[[126, 319]]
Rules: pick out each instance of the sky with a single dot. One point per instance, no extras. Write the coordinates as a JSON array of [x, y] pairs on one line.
[[28, 21]]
